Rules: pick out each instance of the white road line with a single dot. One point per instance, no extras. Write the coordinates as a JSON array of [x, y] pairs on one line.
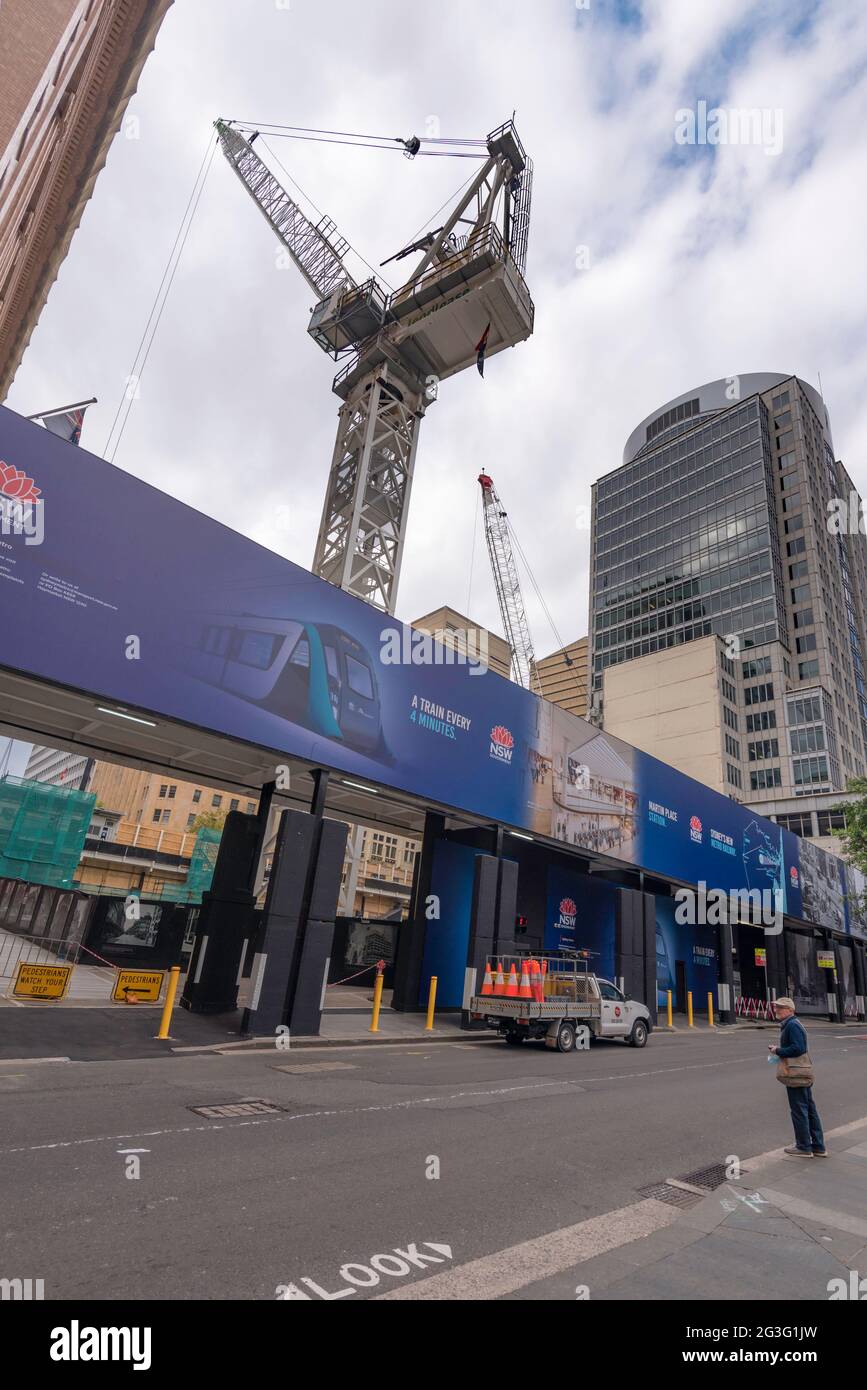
[[581, 1083], [364, 1109], [530, 1261]]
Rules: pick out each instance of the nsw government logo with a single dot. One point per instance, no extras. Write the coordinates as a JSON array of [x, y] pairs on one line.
[[568, 912], [695, 829], [793, 876], [502, 744]]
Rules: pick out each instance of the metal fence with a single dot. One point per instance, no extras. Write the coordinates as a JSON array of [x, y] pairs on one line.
[[34, 950]]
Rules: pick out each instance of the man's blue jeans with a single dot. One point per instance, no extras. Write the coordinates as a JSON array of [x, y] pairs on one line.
[[805, 1118]]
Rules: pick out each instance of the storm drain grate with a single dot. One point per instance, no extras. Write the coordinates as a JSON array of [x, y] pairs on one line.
[[233, 1109], [712, 1176], [673, 1196]]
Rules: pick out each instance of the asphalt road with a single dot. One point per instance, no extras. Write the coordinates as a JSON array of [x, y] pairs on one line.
[[524, 1141]]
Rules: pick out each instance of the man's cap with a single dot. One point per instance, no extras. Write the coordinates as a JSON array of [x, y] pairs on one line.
[[784, 1002]]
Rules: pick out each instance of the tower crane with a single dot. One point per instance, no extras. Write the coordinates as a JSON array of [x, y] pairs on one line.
[[465, 300], [508, 587]]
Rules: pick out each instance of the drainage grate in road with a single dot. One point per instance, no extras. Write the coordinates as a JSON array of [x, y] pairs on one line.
[[712, 1176], [673, 1196], [232, 1109]]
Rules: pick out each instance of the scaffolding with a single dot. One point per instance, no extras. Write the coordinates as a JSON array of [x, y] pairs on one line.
[[42, 831]]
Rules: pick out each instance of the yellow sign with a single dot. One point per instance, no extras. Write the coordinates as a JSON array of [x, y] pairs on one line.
[[761, 955], [144, 985], [41, 981], [826, 960]]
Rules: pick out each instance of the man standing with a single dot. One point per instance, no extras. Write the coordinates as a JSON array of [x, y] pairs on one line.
[[809, 1139]]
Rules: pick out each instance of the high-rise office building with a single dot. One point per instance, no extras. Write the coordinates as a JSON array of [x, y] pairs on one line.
[[730, 518], [69, 70]]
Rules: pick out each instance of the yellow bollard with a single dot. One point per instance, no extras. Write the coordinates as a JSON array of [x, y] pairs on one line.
[[431, 1004], [670, 1024], [377, 1001], [174, 976], [689, 1021], [710, 1022]]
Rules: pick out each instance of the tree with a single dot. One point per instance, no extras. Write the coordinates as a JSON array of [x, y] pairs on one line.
[[208, 820], [853, 839]]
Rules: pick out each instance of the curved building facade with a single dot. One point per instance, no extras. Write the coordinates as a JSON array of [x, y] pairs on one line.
[[731, 519]]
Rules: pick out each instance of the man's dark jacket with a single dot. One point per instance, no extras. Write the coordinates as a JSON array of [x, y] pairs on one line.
[[793, 1039]]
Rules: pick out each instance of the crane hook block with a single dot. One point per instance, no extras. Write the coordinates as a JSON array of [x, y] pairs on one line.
[[411, 147]]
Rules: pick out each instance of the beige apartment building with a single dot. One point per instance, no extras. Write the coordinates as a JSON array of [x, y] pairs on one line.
[[69, 70], [466, 638], [564, 677]]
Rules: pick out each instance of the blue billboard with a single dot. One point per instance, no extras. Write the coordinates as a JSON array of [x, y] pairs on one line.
[[241, 642]]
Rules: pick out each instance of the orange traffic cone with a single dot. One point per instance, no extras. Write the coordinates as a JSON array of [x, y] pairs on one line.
[[544, 974], [525, 991], [499, 983], [535, 981], [488, 982], [512, 986]]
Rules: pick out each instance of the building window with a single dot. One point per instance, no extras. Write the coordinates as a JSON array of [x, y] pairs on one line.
[[234, 804], [760, 667], [216, 801], [758, 694], [765, 779], [807, 670], [251, 807], [172, 791], [197, 794], [810, 770], [157, 816], [163, 789], [765, 748], [190, 822], [733, 775], [831, 822], [796, 547], [808, 740], [800, 823]]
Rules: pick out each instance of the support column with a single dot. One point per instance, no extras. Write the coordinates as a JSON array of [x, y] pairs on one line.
[[726, 982], [411, 933], [225, 923]]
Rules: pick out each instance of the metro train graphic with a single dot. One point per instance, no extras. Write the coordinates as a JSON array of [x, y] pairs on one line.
[[313, 673]]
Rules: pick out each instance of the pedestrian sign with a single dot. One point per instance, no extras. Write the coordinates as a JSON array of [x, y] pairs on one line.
[[142, 986], [41, 981]]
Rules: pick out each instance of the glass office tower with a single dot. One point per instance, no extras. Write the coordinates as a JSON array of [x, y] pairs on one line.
[[721, 520]]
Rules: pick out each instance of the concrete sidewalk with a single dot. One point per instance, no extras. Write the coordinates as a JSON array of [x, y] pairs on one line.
[[785, 1230]]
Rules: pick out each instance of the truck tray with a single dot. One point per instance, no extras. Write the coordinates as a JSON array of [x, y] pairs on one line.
[[553, 1006]]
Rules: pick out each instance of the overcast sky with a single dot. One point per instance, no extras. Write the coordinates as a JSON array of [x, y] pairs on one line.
[[701, 261]]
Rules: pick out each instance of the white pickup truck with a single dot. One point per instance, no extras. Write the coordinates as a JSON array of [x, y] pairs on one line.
[[569, 1007]]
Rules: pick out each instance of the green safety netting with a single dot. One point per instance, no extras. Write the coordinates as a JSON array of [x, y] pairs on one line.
[[200, 873], [42, 830]]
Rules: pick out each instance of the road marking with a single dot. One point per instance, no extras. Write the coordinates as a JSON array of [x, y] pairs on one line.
[[502, 1273], [559, 1082], [302, 1067], [396, 1264]]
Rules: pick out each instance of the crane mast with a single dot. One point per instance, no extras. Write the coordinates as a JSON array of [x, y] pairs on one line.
[[508, 587], [464, 301]]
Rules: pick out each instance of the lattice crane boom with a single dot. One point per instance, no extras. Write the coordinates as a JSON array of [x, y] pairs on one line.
[[315, 249], [464, 301], [508, 586]]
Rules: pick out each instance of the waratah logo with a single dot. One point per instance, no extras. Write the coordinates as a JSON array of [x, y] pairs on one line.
[[502, 744], [568, 912], [695, 829], [14, 483], [793, 875]]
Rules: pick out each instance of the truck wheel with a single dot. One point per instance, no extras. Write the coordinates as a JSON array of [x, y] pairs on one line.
[[514, 1039], [565, 1038], [638, 1036]]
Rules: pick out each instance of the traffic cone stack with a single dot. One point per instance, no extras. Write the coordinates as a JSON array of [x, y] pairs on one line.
[[499, 983], [525, 990], [536, 981], [488, 982], [512, 986]]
